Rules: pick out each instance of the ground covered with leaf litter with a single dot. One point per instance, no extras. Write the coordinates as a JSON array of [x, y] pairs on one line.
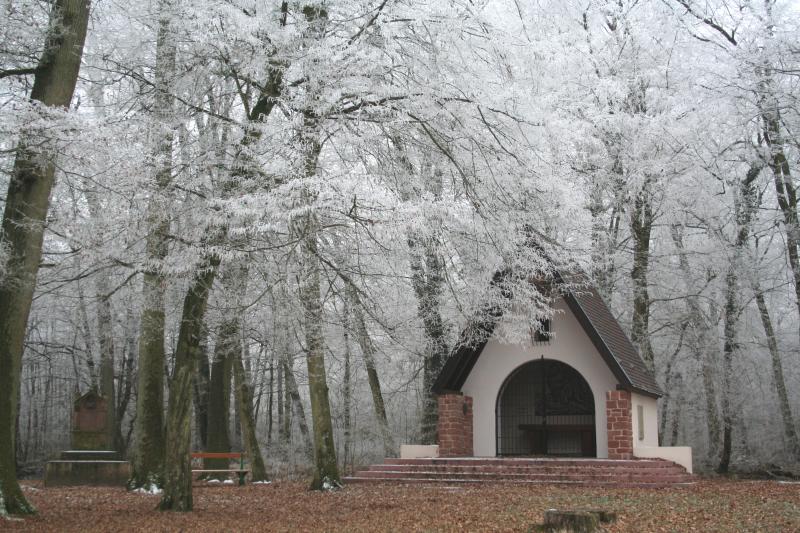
[[288, 506]]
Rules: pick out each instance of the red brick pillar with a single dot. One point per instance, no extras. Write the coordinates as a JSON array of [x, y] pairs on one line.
[[455, 425], [620, 426]]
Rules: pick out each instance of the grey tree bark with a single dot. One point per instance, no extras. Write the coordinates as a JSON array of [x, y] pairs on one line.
[[368, 355], [347, 390], [219, 393], [148, 454], [746, 203], [244, 399], [789, 431], [177, 494], [27, 203], [641, 229]]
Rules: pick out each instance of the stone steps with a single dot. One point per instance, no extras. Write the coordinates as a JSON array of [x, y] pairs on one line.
[[447, 481], [489, 469], [529, 476], [585, 472]]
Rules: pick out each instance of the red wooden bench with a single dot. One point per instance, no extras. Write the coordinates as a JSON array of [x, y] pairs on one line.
[[241, 471]]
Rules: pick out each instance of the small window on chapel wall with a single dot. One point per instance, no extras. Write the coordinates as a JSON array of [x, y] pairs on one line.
[[543, 332]]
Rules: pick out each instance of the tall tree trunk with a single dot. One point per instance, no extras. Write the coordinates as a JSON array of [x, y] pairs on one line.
[[746, 203], [125, 387], [785, 189], [294, 404], [244, 399], [368, 354], [347, 389], [105, 323], [88, 344], [177, 494], [27, 202], [201, 386], [728, 349], [326, 471], [427, 279], [281, 397], [149, 452], [641, 228], [789, 431], [270, 402], [106, 332], [306, 226], [234, 281], [217, 438], [705, 352]]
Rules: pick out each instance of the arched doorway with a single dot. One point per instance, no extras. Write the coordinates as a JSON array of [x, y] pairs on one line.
[[545, 407]]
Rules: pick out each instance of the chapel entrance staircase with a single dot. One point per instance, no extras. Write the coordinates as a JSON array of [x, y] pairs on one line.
[[653, 473]]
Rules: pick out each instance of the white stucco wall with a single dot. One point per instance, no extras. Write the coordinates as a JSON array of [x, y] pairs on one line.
[[650, 408], [571, 346]]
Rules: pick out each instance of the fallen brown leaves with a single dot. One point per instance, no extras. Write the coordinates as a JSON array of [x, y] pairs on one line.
[[288, 506]]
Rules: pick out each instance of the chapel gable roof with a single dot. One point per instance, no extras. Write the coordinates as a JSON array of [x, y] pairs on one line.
[[594, 316]]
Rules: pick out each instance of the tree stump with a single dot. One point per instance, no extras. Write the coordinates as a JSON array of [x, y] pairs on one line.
[[572, 521]]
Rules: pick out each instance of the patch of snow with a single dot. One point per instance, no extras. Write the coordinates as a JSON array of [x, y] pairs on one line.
[[152, 489], [228, 482], [261, 483], [789, 482], [328, 484], [213, 481], [30, 488]]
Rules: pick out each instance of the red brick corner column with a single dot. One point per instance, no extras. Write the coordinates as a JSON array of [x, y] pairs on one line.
[[620, 426], [454, 427]]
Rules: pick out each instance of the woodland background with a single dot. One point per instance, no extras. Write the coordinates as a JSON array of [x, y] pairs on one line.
[[343, 178]]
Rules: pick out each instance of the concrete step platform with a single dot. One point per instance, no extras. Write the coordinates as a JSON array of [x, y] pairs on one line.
[[87, 472]]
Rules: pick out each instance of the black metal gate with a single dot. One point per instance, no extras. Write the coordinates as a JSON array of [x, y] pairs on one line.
[[545, 407]]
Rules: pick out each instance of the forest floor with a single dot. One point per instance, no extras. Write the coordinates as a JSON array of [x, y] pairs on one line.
[[706, 506]]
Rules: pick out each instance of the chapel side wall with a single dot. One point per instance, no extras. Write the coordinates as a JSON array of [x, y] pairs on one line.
[[650, 411], [571, 345]]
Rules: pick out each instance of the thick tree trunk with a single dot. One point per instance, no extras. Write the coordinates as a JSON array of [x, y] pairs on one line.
[[217, 438], [177, 464], [368, 355], [326, 471], [641, 228], [728, 349], [149, 430], [27, 202], [201, 386], [427, 280]]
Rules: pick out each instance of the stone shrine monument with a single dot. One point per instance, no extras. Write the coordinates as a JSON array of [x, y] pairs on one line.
[[92, 460]]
